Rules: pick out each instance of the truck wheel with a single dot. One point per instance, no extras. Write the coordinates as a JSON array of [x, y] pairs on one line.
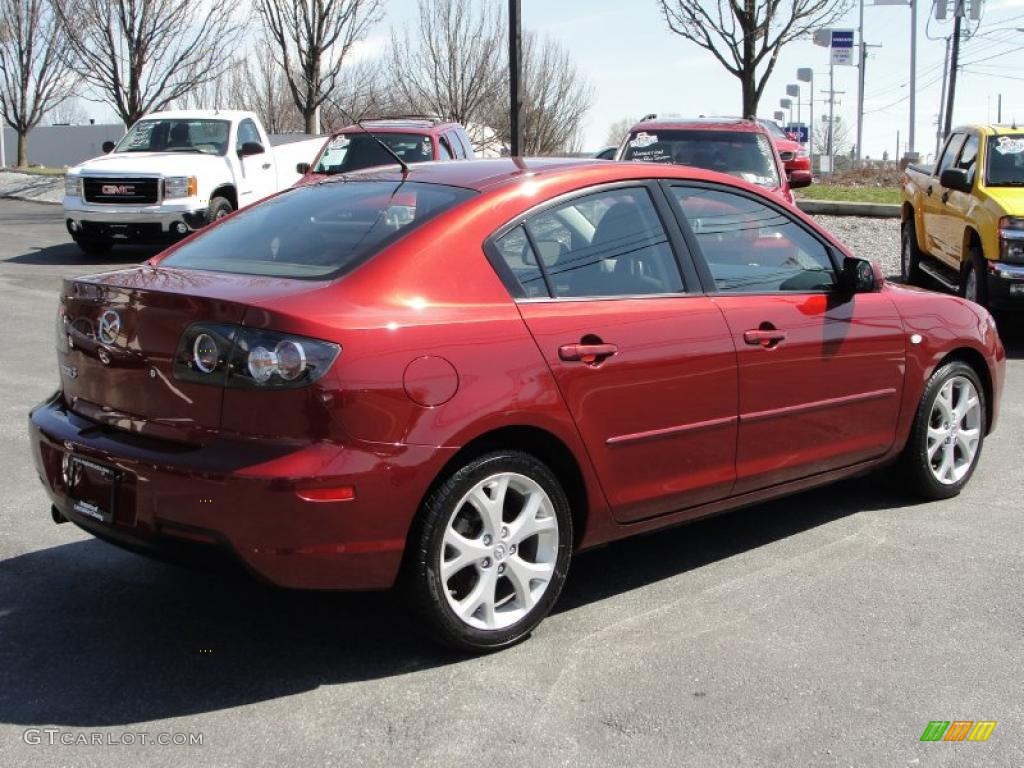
[[972, 283], [219, 208], [911, 253], [93, 247]]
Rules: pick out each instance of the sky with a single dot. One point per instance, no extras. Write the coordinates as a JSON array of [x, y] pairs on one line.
[[637, 66]]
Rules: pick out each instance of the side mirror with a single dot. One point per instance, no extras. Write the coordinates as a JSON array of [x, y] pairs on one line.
[[956, 179], [798, 179], [302, 168], [858, 276], [251, 148], [108, 147]]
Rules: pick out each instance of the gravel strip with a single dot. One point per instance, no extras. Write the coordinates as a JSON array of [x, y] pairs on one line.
[[875, 239]]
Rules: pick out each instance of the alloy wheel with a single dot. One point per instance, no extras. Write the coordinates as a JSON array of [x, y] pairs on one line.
[[954, 430], [499, 551]]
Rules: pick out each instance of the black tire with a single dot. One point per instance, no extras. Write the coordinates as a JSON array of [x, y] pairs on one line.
[[426, 593], [973, 285], [910, 253], [219, 208], [92, 247], [915, 467]]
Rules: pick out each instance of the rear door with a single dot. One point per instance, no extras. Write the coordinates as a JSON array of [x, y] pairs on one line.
[[820, 373], [646, 369]]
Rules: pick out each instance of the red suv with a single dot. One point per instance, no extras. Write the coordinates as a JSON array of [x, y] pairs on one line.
[[741, 148], [415, 140], [453, 379], [795, 156]]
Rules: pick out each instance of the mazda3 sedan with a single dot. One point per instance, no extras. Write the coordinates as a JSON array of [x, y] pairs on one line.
[[454, 378]]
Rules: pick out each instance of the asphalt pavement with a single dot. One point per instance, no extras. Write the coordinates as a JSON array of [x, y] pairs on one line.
[[826, 629]]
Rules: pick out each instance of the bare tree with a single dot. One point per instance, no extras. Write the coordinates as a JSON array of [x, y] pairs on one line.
[[68, 112], [143, 55], [842, 143], [454, 65], [747, 35], [617, 130], [555, 100], [361, 93], [33, 77], [264, 90], [311, 39]]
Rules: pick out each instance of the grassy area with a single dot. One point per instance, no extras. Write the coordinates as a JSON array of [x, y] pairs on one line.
[[37, 170], [853, 194]]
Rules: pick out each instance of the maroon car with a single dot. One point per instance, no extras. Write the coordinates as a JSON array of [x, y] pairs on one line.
[[741, 148], [455, 378]]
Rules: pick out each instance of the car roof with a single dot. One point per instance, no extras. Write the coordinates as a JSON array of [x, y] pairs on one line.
[[199, 114], [490, 174], [991, 129], [699, 124], [424, 125]]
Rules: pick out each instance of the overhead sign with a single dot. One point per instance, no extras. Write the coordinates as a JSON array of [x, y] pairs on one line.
[[842, 46]]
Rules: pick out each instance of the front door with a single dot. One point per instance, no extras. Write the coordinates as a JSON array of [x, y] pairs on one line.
[[647, 371], [258, 178], [820, 373]]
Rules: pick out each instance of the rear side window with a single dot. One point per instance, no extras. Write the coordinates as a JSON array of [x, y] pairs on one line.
[[316, 232], [753, 248], [969, 157], [949, 155], [605, 244]]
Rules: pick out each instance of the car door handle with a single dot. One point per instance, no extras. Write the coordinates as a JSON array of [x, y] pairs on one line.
[[765, 338], [928, 191], [586, 353], [266, 166], [945, 197]]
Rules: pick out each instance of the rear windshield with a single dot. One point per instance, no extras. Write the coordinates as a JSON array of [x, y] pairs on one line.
[[1005, 161], [355, 151], [318, 231], [746, 155]]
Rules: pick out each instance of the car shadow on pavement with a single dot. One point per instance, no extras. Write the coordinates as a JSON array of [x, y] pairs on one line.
[[69, 254], [91, 636], [1011, 331]]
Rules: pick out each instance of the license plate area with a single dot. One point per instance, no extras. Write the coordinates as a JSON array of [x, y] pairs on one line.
[[93, 489]]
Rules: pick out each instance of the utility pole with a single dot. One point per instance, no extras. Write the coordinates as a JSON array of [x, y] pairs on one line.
[[913, 75], [942, 101], [515, 70], [999, 109], [860, 86], [954, 61], [831, 113]]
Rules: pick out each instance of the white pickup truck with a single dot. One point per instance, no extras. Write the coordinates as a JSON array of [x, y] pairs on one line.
[[174, 172]]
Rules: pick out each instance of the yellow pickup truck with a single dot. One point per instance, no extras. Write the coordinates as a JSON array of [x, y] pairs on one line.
[[963, 220]]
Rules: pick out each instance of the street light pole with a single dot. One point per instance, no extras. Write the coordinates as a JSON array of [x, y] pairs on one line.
[[913, 75], [954, 62], [515, 69]]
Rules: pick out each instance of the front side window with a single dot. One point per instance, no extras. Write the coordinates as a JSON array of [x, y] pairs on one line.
[[608, 243], [247, 132], [743, 154], [969, 157], [750, 247], [209, 137], [1005, 163], [949, 153], [316, 232]]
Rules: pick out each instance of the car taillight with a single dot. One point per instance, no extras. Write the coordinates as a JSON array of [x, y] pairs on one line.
[[236, 356]]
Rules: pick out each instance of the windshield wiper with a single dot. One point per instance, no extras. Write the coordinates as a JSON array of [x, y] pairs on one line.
[[183, 149]]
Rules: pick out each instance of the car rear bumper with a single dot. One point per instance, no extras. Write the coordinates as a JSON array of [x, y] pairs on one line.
[[1005, 285], [242, 497]]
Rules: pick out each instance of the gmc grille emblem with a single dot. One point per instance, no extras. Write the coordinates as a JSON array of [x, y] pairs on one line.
[[118, 189]]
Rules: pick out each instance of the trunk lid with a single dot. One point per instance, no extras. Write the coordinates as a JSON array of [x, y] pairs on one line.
[[117, 338]]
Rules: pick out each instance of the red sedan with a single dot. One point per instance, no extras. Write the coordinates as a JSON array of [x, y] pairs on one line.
[[455, 378]]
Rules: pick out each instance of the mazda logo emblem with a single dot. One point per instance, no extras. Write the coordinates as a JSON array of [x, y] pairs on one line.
[[110, 326]]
